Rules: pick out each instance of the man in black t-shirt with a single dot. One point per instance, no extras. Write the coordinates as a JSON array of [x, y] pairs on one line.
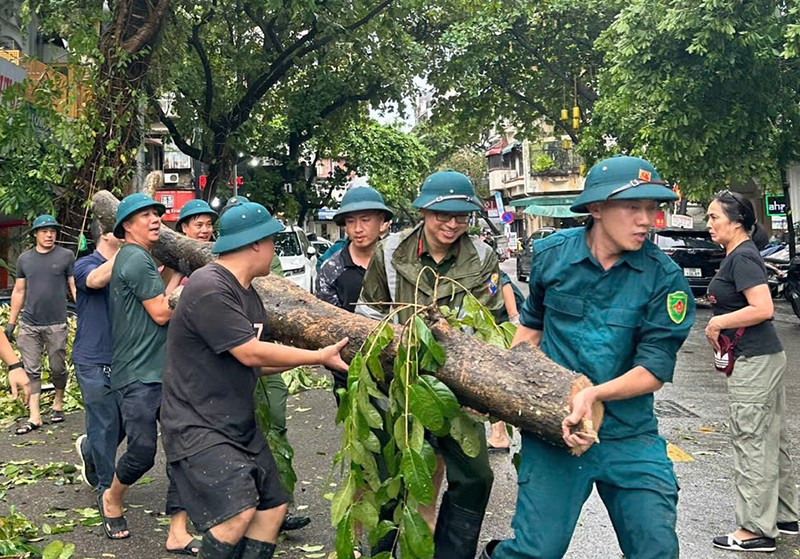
[[215, 350], [44, 279]]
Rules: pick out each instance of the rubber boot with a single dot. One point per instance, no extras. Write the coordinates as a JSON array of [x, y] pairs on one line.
[[212, 548], [486, 552], [384, 544], [457, 532], [255, 549]]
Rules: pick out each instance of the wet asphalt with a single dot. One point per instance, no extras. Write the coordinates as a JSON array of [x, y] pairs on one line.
[[692, 414]]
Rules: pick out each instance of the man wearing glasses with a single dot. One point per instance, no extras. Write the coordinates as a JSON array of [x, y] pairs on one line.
[[413, 267]]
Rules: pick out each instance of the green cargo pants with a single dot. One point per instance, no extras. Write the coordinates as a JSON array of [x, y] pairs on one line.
[[765, 489]]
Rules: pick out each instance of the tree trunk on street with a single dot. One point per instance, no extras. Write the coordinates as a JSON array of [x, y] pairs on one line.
[[520, 386]]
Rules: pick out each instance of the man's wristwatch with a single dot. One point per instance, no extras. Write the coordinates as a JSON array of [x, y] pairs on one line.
[[17, 365]]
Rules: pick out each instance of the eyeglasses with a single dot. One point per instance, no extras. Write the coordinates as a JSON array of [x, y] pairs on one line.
[[443, 217], [636, 182]]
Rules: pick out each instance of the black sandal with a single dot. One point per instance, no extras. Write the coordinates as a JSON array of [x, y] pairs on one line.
[[26, 428], [57, 416], [112, 525]]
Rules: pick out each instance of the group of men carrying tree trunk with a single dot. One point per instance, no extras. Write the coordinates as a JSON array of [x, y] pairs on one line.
[[603, 301]]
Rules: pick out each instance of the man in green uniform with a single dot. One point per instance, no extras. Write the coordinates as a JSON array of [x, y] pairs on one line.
[[607, 302], [396, 270]]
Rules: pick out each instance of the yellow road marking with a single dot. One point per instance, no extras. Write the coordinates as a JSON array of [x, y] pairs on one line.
[[677, 455]]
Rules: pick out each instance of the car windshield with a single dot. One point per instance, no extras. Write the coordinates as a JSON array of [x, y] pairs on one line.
[[685, 241], [286, 244]]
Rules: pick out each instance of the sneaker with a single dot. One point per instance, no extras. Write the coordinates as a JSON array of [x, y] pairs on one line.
[[759, 543], [789, 528], [294, 522], [88, 473]]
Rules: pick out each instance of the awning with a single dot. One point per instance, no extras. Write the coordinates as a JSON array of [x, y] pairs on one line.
[[497, 148], [547, 206], [510, 147]]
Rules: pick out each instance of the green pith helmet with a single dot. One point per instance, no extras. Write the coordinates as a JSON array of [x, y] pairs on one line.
[[195, 207], [243, 224], [44, 220], [448, 191], [132, 204], [361, 199], [622, 178]]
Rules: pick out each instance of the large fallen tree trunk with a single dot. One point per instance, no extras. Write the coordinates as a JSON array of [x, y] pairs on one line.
[[521, 386]]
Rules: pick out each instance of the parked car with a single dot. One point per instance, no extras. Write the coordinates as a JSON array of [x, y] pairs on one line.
[[321, 245], [298, 257], [524, 256], [693, 250]]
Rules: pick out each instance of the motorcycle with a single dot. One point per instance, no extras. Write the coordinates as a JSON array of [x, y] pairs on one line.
[[791, 288], [775, 279]]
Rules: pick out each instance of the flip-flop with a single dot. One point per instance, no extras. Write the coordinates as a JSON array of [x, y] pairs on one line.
[[499, 449], [26, 428], [112, 525], [57, 416], [192, 548]]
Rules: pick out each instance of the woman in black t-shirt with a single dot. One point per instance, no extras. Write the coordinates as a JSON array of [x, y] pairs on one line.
[[766, 499]]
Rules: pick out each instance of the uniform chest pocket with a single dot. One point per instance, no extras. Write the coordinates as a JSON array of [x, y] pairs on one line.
[[624, 318], [564, 304]]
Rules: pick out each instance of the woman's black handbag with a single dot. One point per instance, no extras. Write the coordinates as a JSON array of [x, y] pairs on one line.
[[724, 358]]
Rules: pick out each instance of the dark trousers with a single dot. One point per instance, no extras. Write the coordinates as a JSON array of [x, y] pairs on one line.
[[103, 420], [469, 485], [139, 404]]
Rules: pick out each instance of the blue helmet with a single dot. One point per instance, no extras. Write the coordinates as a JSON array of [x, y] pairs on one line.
[[243, 224], [448, 191], [622, 178], [132, 204]]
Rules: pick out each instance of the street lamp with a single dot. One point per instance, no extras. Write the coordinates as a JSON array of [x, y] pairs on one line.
[[236, 175]]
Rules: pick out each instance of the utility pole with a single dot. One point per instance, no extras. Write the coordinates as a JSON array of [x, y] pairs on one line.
[[789, 220]]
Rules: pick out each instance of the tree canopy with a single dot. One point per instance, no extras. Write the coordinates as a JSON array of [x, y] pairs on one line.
[[706, 90], [259, 79], [521, 61]]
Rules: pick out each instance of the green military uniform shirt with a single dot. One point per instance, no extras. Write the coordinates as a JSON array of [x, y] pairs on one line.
[[395, 268], [602, 323]]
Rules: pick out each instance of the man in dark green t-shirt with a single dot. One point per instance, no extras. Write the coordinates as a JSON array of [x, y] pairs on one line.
[[139, 316]]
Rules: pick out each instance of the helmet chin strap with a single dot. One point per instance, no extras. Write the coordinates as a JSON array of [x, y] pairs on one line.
[[438, 199]]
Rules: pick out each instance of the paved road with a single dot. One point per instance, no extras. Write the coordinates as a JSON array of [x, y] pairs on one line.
[[693, 416]]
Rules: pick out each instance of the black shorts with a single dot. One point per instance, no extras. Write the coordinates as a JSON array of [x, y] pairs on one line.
[[218, 483]]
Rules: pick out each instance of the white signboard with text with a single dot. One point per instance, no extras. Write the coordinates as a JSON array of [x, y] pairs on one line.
[[682, 221]]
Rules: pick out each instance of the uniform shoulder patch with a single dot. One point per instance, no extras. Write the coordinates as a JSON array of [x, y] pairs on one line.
[[677, 303], [493, 283]]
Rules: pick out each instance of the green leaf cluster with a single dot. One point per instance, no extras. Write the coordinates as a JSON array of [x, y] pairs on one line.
[[387, 463], [275, 434], [15, 533], [519, 62]]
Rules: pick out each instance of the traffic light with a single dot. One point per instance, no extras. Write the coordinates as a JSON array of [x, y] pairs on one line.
[[239, 180], [202, 180]]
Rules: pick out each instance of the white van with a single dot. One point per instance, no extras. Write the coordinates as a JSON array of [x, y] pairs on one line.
[[298, 258]]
